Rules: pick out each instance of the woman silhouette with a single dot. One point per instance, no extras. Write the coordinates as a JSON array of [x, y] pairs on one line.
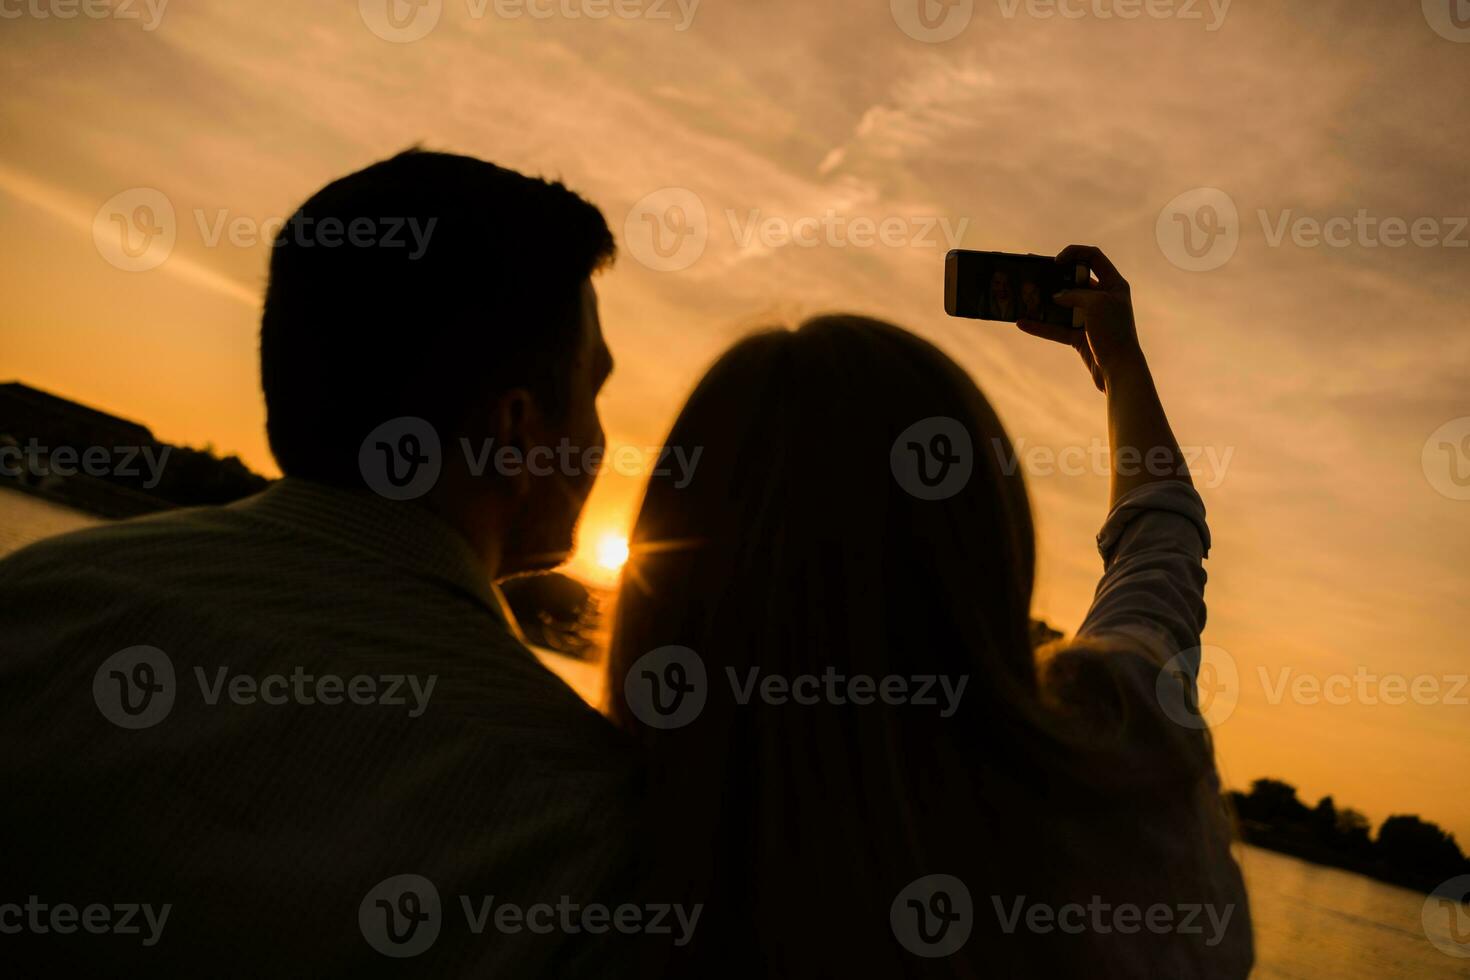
[[884, 778]]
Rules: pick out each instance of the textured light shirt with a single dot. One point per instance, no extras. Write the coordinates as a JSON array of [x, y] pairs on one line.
[[1135, 663], [299, 756], [1152, 592]]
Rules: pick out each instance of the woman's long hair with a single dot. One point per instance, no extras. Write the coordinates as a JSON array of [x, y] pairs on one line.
[[799, 548]]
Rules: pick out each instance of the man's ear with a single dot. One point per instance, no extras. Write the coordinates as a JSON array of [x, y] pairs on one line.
[[514, 419], [509, 426]]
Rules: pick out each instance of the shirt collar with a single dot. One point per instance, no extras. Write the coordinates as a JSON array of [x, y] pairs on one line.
[[401, 533]]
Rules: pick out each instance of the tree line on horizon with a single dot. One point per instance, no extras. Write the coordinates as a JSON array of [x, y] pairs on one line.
[[1406, 849]]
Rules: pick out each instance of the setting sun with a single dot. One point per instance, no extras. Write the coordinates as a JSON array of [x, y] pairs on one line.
[[612, 551]]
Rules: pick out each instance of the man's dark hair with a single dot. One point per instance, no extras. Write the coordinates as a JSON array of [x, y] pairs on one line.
[[461, 280]]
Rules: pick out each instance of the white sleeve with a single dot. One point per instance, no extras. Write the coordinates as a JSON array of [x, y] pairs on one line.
[[1152, 591]]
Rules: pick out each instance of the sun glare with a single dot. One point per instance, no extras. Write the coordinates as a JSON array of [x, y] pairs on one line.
[[612, 551]]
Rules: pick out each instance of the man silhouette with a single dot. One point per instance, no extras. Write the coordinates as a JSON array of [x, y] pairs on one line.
[[256, 721]]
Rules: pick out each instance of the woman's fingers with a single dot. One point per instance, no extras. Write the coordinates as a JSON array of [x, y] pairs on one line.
[[1087, 299], [1108, 276]]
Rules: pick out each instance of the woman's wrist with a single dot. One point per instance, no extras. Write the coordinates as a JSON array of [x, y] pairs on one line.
[[1125, 369]]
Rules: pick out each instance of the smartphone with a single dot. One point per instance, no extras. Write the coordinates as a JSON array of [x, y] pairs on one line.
[[1007, 286]]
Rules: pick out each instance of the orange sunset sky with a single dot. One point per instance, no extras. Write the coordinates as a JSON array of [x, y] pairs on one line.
[[1309, 377]]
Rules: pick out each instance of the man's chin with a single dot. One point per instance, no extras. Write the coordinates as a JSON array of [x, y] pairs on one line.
[[530, 562], [533, 564]]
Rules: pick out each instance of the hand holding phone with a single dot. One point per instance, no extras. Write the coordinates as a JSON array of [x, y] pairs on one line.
[[1094, 318], [1106, 306], [980, 285]]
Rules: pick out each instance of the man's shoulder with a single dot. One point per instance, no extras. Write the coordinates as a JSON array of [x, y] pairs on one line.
[[184, 528]]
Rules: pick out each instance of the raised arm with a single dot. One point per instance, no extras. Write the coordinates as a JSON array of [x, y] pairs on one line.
[[1155, 537], [1144, 449]]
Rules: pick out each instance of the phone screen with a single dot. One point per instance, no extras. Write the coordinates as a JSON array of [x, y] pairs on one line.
[[1007, 286]]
